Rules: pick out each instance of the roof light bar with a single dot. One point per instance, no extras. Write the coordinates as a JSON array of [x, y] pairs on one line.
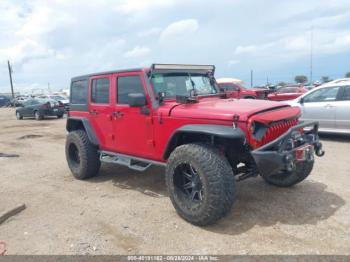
[[182, 67]]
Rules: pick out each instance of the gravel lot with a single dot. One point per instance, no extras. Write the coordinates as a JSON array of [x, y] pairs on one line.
[[126, 212]]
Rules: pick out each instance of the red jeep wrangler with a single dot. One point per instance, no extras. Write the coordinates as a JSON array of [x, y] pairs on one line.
[[235, 90], [174, 116]]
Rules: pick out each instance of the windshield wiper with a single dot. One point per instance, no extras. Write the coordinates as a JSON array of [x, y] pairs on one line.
[[194, 89]]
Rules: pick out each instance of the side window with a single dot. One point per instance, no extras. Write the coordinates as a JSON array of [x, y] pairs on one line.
[[27, 103], [79, 92], [287, 90], [127, 85], [346, 93], [229, 87], [100, 91], [322, 95]]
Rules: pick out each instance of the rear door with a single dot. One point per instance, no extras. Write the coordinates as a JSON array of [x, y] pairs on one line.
[[100, 110], [343, 109], [133, 126], [320, 105]]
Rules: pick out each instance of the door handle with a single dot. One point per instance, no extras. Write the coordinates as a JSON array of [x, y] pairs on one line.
[[118, 114], [93, 112], [329, 106]]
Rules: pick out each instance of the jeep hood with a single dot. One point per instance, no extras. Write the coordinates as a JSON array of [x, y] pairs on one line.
[[225, 109]]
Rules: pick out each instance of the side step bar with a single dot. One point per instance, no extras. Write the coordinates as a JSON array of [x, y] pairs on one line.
[[134, 163]]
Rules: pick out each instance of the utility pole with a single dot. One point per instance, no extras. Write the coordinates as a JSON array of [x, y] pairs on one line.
[[251, 78], [10, 74], [311, 52]]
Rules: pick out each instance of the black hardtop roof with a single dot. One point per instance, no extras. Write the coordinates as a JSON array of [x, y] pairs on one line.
[[82, 77]]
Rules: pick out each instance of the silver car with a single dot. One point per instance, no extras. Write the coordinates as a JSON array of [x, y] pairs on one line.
[[328, 104]]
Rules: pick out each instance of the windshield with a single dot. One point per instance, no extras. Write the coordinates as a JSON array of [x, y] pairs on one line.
[[58, 97], [182, 84]]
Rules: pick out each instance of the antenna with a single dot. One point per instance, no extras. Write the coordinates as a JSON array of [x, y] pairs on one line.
[[251, 78]]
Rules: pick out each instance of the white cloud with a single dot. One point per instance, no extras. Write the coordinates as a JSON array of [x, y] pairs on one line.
[[68, 38], [233, 62], [325, 43], [179, 29], [149, 32], [27, 50], [138, 51], [137, 6]]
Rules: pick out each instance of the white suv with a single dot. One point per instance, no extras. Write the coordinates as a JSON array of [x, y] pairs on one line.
[[329, 104]]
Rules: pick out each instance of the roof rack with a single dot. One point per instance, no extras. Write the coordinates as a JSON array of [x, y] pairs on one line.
[[182, 67]]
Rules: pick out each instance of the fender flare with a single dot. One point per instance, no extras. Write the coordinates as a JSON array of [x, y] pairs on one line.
[[75, 123], [227, 132]]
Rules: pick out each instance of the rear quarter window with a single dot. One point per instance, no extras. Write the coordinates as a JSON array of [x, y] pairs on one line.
[[346, 93], [79, 92]]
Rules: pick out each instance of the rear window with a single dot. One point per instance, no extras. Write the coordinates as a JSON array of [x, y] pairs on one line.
[[100, 91], [79, 92], [346, 94]]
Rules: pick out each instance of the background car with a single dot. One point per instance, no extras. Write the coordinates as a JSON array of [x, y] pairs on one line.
[[235, 90], [39, 108], [287, 93], [58, 98], [19, 100], [328, 104], [4, 101]]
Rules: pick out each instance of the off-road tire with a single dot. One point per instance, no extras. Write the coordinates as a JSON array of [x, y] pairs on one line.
[[19, 116], [217, 180], [288, 179], [38, 116], [86, 163]]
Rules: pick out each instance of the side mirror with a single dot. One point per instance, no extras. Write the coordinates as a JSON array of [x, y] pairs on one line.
[[137, 100], [161, 96], [301, 101]]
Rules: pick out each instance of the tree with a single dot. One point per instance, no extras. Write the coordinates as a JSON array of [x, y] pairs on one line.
[[300, 79], [325, 79], [347, 75]]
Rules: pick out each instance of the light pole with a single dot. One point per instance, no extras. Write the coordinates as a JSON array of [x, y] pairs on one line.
[[10, 74]]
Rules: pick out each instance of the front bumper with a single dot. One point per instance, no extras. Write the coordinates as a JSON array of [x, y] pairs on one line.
[[292, 147]]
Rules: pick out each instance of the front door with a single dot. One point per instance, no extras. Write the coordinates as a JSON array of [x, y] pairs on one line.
[[133, 126], [343, 110], [100, 110], [320, 106]]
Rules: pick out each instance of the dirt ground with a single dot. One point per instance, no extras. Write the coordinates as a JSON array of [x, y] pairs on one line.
[[126, 212]]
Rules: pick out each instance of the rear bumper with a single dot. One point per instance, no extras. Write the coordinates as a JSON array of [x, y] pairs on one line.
[[283, 152]]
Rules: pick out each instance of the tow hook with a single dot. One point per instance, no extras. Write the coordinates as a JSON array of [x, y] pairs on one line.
[[318, 149]]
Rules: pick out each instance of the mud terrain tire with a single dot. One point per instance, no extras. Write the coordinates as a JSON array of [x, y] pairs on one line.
[[213, 186], [82, 156]]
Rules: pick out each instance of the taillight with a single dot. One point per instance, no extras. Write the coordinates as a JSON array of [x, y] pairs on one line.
[[45, 106]]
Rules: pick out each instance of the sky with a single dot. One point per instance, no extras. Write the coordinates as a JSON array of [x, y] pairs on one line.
[[50, 41]]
